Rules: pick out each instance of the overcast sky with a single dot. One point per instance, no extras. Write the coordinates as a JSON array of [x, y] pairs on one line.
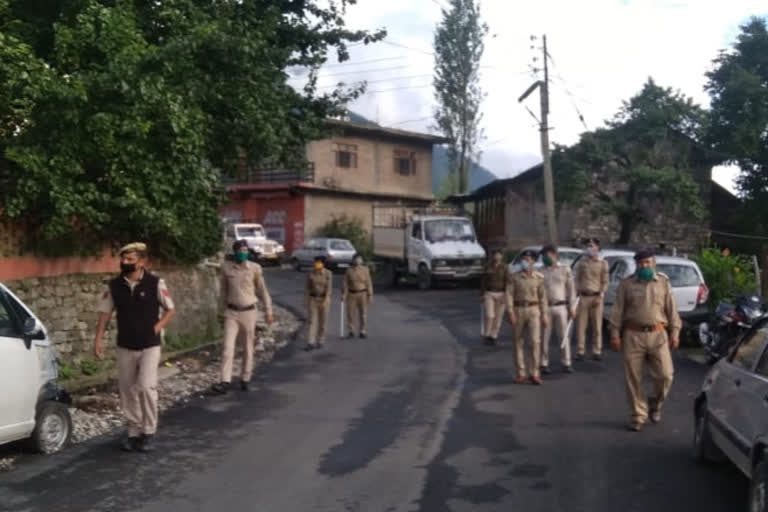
[[603, 51]]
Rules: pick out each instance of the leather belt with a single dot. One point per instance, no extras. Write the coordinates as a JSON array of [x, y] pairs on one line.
[[317, 296], [358, 291], [525, 304], [644, 328], [559, 303], [589, 294], [241, 308]]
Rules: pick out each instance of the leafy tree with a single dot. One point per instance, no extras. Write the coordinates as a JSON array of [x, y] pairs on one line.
[[350, 228], [648, 149], [459, 47], [449, 186], [119, 116], [727, 275], [738, 86]]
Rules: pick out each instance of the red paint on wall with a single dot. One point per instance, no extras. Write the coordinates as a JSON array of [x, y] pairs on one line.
[[22, 267], [282, 215]]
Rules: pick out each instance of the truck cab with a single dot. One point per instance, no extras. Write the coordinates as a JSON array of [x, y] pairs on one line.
[[446, 246]]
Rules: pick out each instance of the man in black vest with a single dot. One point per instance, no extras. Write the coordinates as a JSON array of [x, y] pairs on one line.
[[137, 296]]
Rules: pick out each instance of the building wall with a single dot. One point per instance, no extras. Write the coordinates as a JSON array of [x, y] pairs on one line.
[[282, 216], [320, 209], [375, 171]]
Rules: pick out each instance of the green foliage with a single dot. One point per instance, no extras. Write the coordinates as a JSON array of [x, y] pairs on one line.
[[117, 117], [91, 367], [185, 341], [66, 372], [459, 48], [649, 149], [350, 228], [727, 275], [449, 186]]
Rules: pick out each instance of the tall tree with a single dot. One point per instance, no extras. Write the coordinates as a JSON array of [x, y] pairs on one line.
[[458, 49], [118, 116], [738, 86], [648, 151]]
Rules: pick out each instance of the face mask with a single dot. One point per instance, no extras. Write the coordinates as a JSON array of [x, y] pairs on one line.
[[548, 261], [241, 256], [591, 252], [127, 268], [645, 274], [318, 266], [358, 261], [525, 265]]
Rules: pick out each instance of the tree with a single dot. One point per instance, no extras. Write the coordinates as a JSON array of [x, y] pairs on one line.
[[458, 49], [119, 116], [648, 150], [448, 187], [738, 86]]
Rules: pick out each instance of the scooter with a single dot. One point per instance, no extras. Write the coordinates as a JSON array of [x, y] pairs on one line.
[[728, 324]]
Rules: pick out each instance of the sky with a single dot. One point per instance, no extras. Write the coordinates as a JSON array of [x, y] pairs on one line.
[[602, 51]]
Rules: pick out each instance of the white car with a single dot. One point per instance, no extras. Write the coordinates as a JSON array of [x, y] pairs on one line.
[[32, 405], [609, 255], [567, 256], [256, 238]]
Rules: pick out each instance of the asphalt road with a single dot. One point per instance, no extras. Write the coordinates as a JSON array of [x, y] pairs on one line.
[[421, 416]]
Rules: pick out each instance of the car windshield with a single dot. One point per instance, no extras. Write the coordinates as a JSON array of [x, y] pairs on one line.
[[449, 230], [568, 257], [250, 232], [341, 245], [680, 275]]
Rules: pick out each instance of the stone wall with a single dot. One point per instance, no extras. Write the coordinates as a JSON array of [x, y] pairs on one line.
[[67, 306]]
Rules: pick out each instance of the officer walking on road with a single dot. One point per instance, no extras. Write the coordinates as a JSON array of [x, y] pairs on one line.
[[591, 278], [645, 321], [137, 296], [528, 311], [318, 301], [493, 285], [241, 282], [558, 282], [357, 294]]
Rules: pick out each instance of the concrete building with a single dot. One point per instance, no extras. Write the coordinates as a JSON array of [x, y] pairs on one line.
[[360, 165]]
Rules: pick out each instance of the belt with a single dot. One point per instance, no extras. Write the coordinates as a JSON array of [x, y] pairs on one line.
[[559, 303], [496, 290], [358, 291], [589, 294], [525, 303], [241, 308], [644, 328], [317, 296]]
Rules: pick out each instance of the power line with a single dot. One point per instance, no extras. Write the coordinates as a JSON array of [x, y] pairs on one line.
[[411, 121], [399, 88], [408, 47], [343, 64], [390, 79], [568, 92], [371, 70], [737, 235]]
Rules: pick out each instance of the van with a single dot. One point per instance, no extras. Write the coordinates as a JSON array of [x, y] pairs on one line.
[[32, 404]]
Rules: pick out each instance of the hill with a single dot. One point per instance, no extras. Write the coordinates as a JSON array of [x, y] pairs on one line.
[[478, 175]]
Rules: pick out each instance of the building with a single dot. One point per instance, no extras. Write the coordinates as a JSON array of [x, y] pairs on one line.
[[360, 165]]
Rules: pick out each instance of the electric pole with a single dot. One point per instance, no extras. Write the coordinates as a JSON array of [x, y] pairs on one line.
[[549, 190]]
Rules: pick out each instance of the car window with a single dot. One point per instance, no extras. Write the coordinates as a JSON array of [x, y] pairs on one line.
[[619, 270], [751, 348], [416, 230], [7, 324], [341, 245], [312, 244], [567, 257], [680, 275]]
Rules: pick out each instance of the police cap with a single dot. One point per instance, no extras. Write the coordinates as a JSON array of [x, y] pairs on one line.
[[548, 248], [320, 258], [139, 247], [644, 254], [529, 254], [239, 244], [591, 240]]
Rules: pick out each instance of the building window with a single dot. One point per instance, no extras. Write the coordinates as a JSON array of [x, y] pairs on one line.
[[345, 155], [405, 162]]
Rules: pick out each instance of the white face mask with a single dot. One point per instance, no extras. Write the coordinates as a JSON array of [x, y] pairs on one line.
[[591, 252], [525, 265], [357, 261]]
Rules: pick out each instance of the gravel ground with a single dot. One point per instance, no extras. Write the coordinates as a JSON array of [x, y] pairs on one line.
[[97, 412]]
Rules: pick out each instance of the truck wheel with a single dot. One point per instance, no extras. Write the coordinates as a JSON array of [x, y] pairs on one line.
[[758, 487], [53, 428], [424, 277]]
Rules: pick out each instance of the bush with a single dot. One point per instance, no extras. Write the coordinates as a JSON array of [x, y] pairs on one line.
[[350, 228], [727, 275]]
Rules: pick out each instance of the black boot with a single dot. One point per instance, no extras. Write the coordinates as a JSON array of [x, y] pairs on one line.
[[221, 388], [128, 444], [351, 335], [244, 385], [144, 444], [363, 336]]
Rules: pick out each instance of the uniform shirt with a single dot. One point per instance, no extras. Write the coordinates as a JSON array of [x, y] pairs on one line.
[[107, 302], [357, 279], [591, 275], [241, 283], [558, 282], [645, 303], [495, 277], [319, 283], [523, 286]]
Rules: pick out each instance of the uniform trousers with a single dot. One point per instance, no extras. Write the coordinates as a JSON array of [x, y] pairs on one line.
[[357, 308], [558, 325], [589, 313], [494, 305], [137, 381], [652, 348], [318, 315], [244, 323], [528, 325]]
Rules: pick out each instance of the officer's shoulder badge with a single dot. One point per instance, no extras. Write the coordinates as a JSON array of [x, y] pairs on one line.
[[662, 275]]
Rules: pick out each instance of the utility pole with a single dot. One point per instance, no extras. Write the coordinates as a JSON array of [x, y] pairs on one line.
[[549, 189]]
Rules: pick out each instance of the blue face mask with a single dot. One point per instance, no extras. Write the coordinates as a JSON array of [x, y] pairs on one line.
[[525, 265]]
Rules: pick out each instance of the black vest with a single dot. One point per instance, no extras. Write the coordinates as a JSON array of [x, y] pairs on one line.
[[137, 312]]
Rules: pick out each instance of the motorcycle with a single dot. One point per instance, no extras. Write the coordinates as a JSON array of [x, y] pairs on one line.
[[728, 324]]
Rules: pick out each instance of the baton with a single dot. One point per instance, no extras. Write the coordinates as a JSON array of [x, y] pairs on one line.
[[569, 328], [341, 320]]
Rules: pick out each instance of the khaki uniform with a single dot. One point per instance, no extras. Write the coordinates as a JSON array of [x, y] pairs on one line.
[[591, 280], [494, 301], [357, 292], [240, 285], [137, 370], [645, 316], [318, 300], [561, 294], [528, 299]]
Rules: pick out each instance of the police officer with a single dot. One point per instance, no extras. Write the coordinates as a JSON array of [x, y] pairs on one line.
[[241, 282], [318, 301], [493, 285], [528, 311], [591, 278], [558, 282], [357, 294], [645, 322], [137, 296]]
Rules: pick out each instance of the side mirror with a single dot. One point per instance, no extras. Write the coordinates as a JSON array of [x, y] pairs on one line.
[[30, 327]]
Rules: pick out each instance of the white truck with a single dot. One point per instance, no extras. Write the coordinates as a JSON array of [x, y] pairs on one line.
[[429, 245], [256, 238]]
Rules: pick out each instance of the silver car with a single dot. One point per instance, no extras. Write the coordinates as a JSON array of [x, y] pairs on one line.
[[731, 413], [338, 253]]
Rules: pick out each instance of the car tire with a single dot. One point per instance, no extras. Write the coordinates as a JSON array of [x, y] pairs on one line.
[[704, 449], [758, 487], [424, 278], [296, 264], [53, 428]]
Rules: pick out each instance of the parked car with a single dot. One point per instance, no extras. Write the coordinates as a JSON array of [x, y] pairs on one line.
[[609, 255], [338, 253], [688, 286], [567, 256], [32, 405], [258, 243], [730, 418]]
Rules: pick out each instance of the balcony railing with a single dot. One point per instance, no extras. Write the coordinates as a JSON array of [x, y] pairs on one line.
[[272, 176]]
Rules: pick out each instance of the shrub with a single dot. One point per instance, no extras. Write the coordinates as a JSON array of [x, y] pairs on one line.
[[350, 228], [727, 275]]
